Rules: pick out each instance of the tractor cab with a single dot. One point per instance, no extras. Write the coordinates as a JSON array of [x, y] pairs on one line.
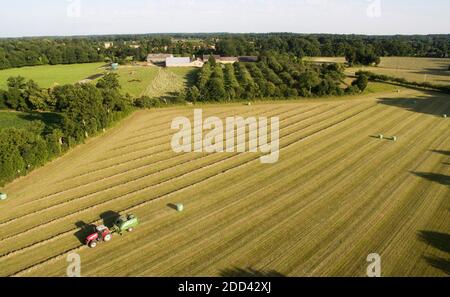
[[101, 233], [100, 229]]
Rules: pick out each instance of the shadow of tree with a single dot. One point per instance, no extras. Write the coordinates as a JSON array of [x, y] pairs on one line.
[[440, 241], [50, 119], [445, 153], [419, 104], [439, 263], [435, 177], [441, 71], [191, 77], [249, 272]]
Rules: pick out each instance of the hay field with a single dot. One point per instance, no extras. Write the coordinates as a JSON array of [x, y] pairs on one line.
[[48, 76], [433, 70], [340, 60], [336, 195], [154, 81], [135, 79]]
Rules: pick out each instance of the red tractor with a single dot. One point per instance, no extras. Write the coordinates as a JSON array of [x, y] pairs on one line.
[[101, 233]]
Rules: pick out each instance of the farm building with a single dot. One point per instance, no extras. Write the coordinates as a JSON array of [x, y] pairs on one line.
[[228, 60], [248, 59], [158, 58], [219, 59], [197, 63], [205, 58], [180, 62], [107, 45]]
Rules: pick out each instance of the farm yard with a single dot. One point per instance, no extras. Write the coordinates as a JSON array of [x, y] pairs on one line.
[[337, 194]]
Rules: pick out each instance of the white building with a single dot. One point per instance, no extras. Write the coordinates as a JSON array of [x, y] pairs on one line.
[[178, 62]]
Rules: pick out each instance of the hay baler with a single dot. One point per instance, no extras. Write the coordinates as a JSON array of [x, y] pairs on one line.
[[125, 223], [103, 233]]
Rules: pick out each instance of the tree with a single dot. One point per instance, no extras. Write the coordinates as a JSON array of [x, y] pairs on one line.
[[3, 98], [193, 94], [361, 82], [15, 99], [309, 80], [212, 60], [350, 56], [109, 81], [216, 89]]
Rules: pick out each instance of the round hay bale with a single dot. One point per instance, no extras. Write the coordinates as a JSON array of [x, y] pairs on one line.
[[249, 104], [3, 196], [381, 136], [445, 116], [394, 138], [180, 207]]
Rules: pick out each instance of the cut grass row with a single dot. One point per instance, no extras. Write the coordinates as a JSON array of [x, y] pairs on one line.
[[250, 198], [170, 178], [159, 254], [155, 167]]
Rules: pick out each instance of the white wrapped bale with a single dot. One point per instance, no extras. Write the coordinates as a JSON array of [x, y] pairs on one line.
[[3, 196], [180, 207]]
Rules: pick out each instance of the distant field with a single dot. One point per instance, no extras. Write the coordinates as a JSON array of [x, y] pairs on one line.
[[433, 70], [135, 79], [408, 63], [154, 81], [50, 75], [168, 81], [414, 69], [187, 74], [326, 59]]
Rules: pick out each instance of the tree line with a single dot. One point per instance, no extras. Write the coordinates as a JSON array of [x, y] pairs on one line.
[[274, 76], [83, 110], [360, 49]]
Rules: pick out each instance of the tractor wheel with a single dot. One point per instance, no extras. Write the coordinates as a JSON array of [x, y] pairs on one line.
[[130, 230], [107, 237], [92, 244]]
